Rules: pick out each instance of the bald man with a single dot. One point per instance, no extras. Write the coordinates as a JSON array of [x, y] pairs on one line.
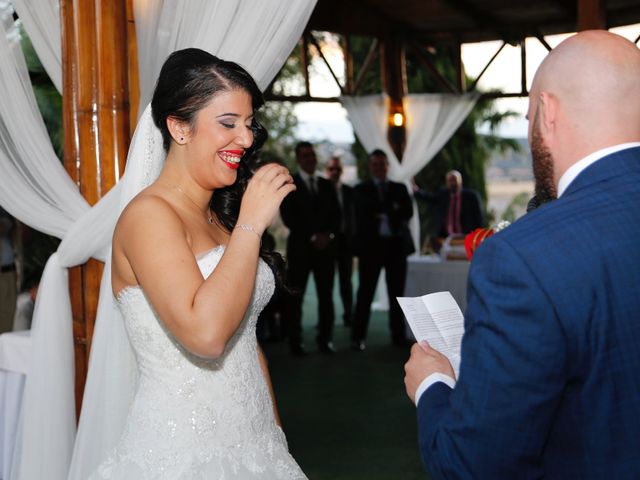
[[549, 382], [456, 210]]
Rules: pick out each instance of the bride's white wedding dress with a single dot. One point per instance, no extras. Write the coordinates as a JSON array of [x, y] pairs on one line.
[[194, 418]]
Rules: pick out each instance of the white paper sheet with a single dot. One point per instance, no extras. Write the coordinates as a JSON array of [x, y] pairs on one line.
[[436, 318]]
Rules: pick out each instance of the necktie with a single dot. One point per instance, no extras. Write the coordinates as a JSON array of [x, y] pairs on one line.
[[312, 185], [453, 223], [382, 191]]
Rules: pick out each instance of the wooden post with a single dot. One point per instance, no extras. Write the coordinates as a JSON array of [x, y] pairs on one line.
[[348, 64], [591, 15], [395, 84], [96, 133], [305, 64], [134, 74], [461, 81]]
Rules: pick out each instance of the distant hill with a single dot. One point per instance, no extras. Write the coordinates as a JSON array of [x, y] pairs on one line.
[[511, 165]]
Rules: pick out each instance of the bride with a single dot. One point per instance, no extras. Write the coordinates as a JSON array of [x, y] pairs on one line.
[[190, 279]]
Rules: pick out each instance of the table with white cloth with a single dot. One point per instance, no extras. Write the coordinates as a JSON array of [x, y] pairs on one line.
[[14, 362], [430, 274]]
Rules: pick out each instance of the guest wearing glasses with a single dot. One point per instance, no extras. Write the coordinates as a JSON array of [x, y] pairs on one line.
[[383, 209]]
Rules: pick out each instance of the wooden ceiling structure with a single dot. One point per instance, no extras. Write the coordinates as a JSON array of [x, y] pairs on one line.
[[468, 21], [419, 25], [422, 25], [100, 81]]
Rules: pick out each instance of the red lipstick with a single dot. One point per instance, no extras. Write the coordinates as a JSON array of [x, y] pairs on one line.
[[231, 158]]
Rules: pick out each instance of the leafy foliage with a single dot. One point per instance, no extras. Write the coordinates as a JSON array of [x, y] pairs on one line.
[[48, 98], [279, 117], [280, 121]]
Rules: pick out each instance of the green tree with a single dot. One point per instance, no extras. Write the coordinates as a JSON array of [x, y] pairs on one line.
[[48, 99], [279, 117]]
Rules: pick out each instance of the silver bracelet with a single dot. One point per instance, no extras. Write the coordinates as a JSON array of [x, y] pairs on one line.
[[249, 228]]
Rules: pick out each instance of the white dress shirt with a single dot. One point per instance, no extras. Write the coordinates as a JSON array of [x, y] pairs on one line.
[[574, 170], [307, 179]]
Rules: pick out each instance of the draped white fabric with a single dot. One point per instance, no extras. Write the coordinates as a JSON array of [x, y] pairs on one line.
[[226, 28], [41, 21], [36, 190], [112, 373], [35, 187], [431, 120]]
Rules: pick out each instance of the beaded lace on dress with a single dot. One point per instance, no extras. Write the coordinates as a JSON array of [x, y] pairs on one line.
[[195, 418]]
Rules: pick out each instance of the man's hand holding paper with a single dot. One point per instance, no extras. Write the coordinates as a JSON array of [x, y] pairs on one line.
[[423, 362], [438, 324]]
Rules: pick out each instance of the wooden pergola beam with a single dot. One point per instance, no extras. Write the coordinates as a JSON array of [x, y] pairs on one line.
[[486, 67], [523, 66], [568, 7], [591, 15], [543, 42], [426, 62], [305, 64], [348, 64], [314, 42], [95, 103], [374, 50], [394, 81], [482, 18]]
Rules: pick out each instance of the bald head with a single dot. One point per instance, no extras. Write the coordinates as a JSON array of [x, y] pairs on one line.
[[586, 96], [454, 180]]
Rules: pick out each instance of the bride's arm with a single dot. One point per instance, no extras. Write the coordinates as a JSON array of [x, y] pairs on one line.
[[201, 314], [267, 378]]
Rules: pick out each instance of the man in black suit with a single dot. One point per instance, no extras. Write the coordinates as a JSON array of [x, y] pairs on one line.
[[457, 210], [312, 214], [383, 209], [344, 236]]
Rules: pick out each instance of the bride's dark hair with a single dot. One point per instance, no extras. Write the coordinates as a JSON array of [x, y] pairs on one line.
[[188, 80]]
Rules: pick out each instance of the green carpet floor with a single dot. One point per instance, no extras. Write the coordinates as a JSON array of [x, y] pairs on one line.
[[346, 415]]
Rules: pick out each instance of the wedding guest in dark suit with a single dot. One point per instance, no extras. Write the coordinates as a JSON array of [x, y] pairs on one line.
[[456, 210], [312, 214], [549, 385], [383, 209], [344, 237]]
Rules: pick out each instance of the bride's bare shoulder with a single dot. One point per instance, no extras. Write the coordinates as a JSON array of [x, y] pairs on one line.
[[148, 212]]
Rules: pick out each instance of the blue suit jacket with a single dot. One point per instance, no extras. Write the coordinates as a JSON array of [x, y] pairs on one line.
[[549, 382]]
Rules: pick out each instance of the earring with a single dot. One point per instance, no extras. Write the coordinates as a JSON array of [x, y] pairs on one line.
[[182, 139]]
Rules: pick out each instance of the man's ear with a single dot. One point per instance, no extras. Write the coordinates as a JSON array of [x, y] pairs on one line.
[[548, 106], [179, 130]]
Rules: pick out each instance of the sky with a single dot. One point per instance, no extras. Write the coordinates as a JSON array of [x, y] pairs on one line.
[[320, 121]]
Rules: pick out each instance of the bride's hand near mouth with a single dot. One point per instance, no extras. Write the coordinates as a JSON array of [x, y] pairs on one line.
[[264, 194]]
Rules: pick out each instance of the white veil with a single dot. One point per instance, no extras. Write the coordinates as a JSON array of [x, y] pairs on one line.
[[112, 370]]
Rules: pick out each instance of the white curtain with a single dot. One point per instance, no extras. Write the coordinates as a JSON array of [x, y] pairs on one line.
[[42, 22], [229, 29], [35, 188], [431, 120]]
